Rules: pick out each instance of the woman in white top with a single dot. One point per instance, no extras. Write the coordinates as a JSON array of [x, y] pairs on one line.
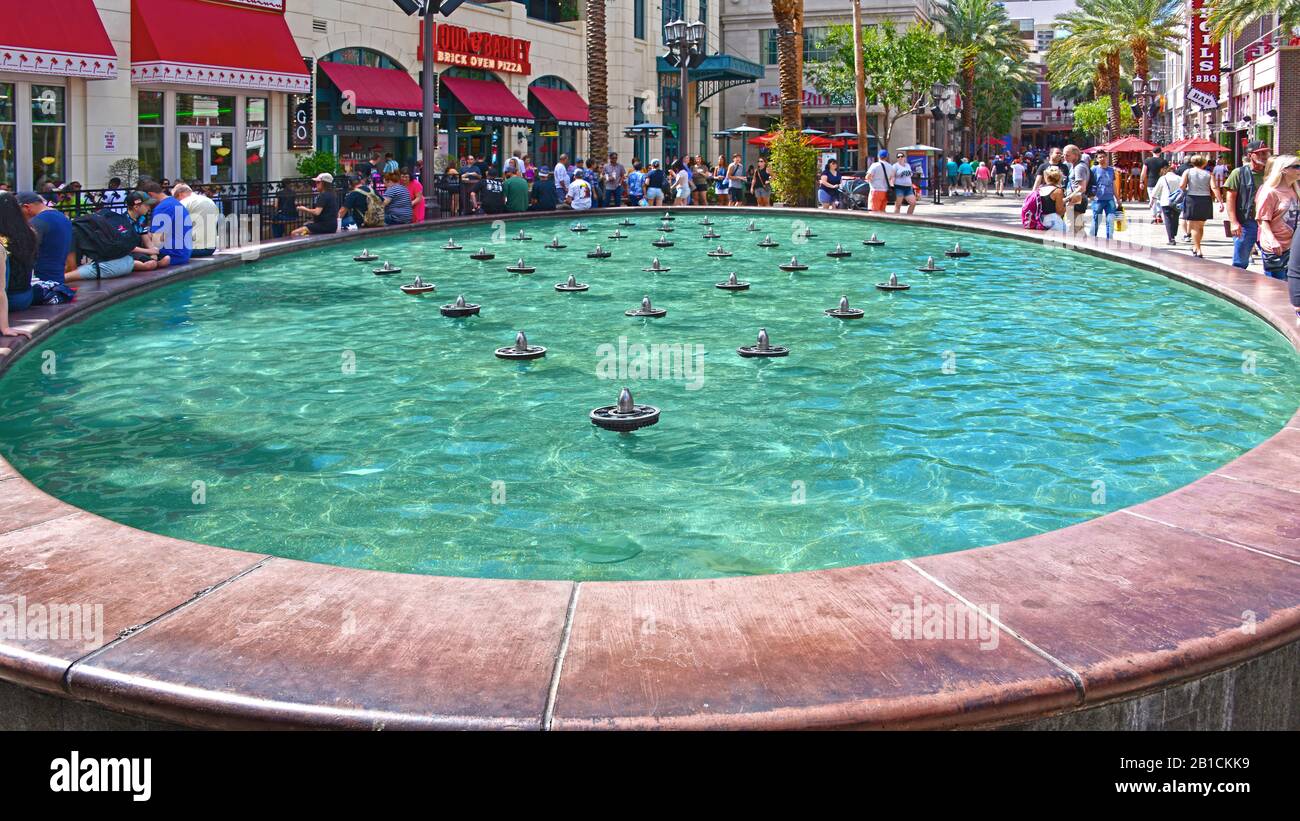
[[1018, 169], [1199, 203], [1164, 193], [681, 184]]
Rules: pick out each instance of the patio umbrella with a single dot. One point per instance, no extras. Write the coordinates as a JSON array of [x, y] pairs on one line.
[[928, 149], [847, 139], [1129, 144], [645, 131], [812, 132], [741, 131], [763, 139], [1194, 145]]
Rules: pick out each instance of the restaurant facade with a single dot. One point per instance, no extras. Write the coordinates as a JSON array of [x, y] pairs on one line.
[[233, 91]]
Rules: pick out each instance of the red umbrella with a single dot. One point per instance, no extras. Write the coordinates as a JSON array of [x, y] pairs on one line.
[[763, 139], [1128, 144], [1193, 145]]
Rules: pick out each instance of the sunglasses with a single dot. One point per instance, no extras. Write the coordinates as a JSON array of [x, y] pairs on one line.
[[1293, 168]]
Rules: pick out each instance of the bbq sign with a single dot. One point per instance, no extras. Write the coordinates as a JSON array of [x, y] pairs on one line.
[[1204, 64], [456, 46]]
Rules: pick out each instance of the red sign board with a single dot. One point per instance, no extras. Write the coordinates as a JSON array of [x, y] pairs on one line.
[[1204, 65], [457, 46]]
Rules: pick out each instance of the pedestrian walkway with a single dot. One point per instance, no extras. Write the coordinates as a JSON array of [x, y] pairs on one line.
[[1141, 229]]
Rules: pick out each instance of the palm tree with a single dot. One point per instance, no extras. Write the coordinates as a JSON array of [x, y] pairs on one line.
[[978, 27], [1103, 34], [597, 80], [789, 50], [1231, 16], [1089, 53]]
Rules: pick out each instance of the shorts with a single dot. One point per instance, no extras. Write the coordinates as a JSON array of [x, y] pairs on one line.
[[901, 191], [683, 193], [112, 269], [762, 193], [654, 193], [825, 197], [879, 199]]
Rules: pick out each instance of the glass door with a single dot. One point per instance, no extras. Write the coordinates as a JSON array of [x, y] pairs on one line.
[[206, 155]]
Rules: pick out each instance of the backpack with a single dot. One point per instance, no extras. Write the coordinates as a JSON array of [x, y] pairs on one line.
[[104, 236], [374, 217], [1031, 213]]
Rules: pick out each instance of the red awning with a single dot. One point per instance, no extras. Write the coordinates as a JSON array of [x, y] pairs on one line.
[[57, 37], [194, 42], [567, 107], [378, 92], [488, 101]]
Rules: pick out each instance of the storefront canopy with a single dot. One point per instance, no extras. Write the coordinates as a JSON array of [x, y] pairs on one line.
[[487, 101], [57, 37], [566, 107], [378, 92], [194, 42]]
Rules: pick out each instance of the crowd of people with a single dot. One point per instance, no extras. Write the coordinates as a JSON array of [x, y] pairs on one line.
[[162, 224], [44, 251], [1258, 201]]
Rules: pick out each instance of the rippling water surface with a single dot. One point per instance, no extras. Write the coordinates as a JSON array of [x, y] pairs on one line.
[[332, 418]]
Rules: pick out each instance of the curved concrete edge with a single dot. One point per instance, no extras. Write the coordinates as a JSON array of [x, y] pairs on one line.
[[1114, 607]]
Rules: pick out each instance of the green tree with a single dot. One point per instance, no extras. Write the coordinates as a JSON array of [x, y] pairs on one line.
[[318, 162], [1232, 16], [794, 167], [977, 27], [1092, 117], [1089, 54], [1000, 84], [900, 67]]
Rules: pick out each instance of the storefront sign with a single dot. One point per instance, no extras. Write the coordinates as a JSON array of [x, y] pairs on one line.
[[771, 98], [456, 46], [269, 5], [374, 128], [302, 114], [1204, 65]]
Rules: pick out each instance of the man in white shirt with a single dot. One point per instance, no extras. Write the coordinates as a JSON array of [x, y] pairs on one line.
[[561, 175], [205, 216], [579, 196], [880, 176]]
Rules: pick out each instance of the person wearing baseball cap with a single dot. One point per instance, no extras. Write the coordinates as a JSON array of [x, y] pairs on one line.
[[53, 235], [544, 195], [1240, 189], [880, 178], [323, 211], [143, 257]]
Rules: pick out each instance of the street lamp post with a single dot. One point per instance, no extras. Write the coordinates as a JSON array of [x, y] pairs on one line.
[[686, 44], [1146, 92]]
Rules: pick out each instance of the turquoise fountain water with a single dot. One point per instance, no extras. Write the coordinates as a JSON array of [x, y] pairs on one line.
[[304, 407]]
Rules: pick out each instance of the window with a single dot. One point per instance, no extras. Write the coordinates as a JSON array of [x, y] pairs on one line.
[[1032, 97], [49, 131], [255, 133], [638, 19], [812, 48], [204, 110], [150, 134], [673, 10], [8, 133], [704, 10], [1044, 39], [767, 47], [553, 11]]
